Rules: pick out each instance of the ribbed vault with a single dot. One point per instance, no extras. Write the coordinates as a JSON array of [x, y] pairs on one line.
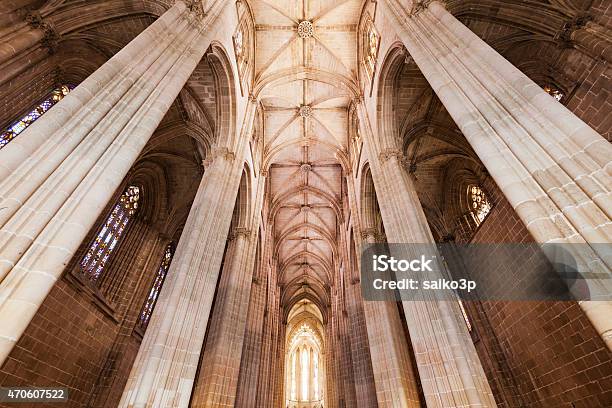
[[305, 78]]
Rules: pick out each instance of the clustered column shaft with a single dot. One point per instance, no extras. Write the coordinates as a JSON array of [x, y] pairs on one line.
[[58, 175], [449, 368], [220, 367], [551, 166]]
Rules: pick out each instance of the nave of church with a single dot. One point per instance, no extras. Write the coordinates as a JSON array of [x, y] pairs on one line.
[[187, 187]]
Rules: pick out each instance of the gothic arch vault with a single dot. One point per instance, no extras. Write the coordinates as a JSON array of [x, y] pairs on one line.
[[187, 188]]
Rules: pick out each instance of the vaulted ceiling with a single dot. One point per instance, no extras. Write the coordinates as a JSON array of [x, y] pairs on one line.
[[305, 77], [306, 68]]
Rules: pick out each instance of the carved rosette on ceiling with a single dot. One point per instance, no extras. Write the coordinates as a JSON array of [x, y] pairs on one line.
[[370, 44], [305, 29], [305, 111]]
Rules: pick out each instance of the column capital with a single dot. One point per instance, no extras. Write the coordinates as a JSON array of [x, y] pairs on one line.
[[564, 35], [388, 153], [196, 10], [240, 232], [50, 39], [421, 5], [358, 100], [50, 35], [370, 232], [34, 19]]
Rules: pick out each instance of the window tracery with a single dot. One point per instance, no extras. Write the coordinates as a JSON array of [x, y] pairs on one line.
[[160, 276], [16, 128], [371, 42], [479, 204], [303, 376], [108, 237], [554, 92], [243, 43]]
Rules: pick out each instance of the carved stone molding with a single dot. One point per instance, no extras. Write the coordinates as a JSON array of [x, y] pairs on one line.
[[305, 111], [387, 154], [224, 152], [51, 37], [305, 168], [421, 5], [357, 100], [305, 29], [34, 19], [371, 232], [240, 232], [217, 152], [196, 10], [564, 36]]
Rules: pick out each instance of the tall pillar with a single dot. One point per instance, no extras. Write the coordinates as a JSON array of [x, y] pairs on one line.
[[165, 368], [278, 384], [252, 349], [298, 370], [551, 166], [272, 324], [217, 383], [394, 377], [57, 176], [393, 374], [311, 375], [449, 368]]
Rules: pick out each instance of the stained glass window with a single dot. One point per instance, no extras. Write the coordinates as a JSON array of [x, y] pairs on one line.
[[147, 309], [480, 205], [16, 128], [554, 92], [106, 241]]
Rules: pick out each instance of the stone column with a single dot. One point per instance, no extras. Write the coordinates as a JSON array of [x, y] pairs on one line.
[[165, 368], [311, 375], [298, 373], [278, 368], [551, 166], [252, 349], [271, 326], [393, 375], [380, 345], [57, 176], [449, 368], [217, 383], [394, 378]]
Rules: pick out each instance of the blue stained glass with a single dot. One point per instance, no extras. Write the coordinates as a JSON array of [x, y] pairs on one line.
[[106, 240], [16, 128], [160, 276]]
